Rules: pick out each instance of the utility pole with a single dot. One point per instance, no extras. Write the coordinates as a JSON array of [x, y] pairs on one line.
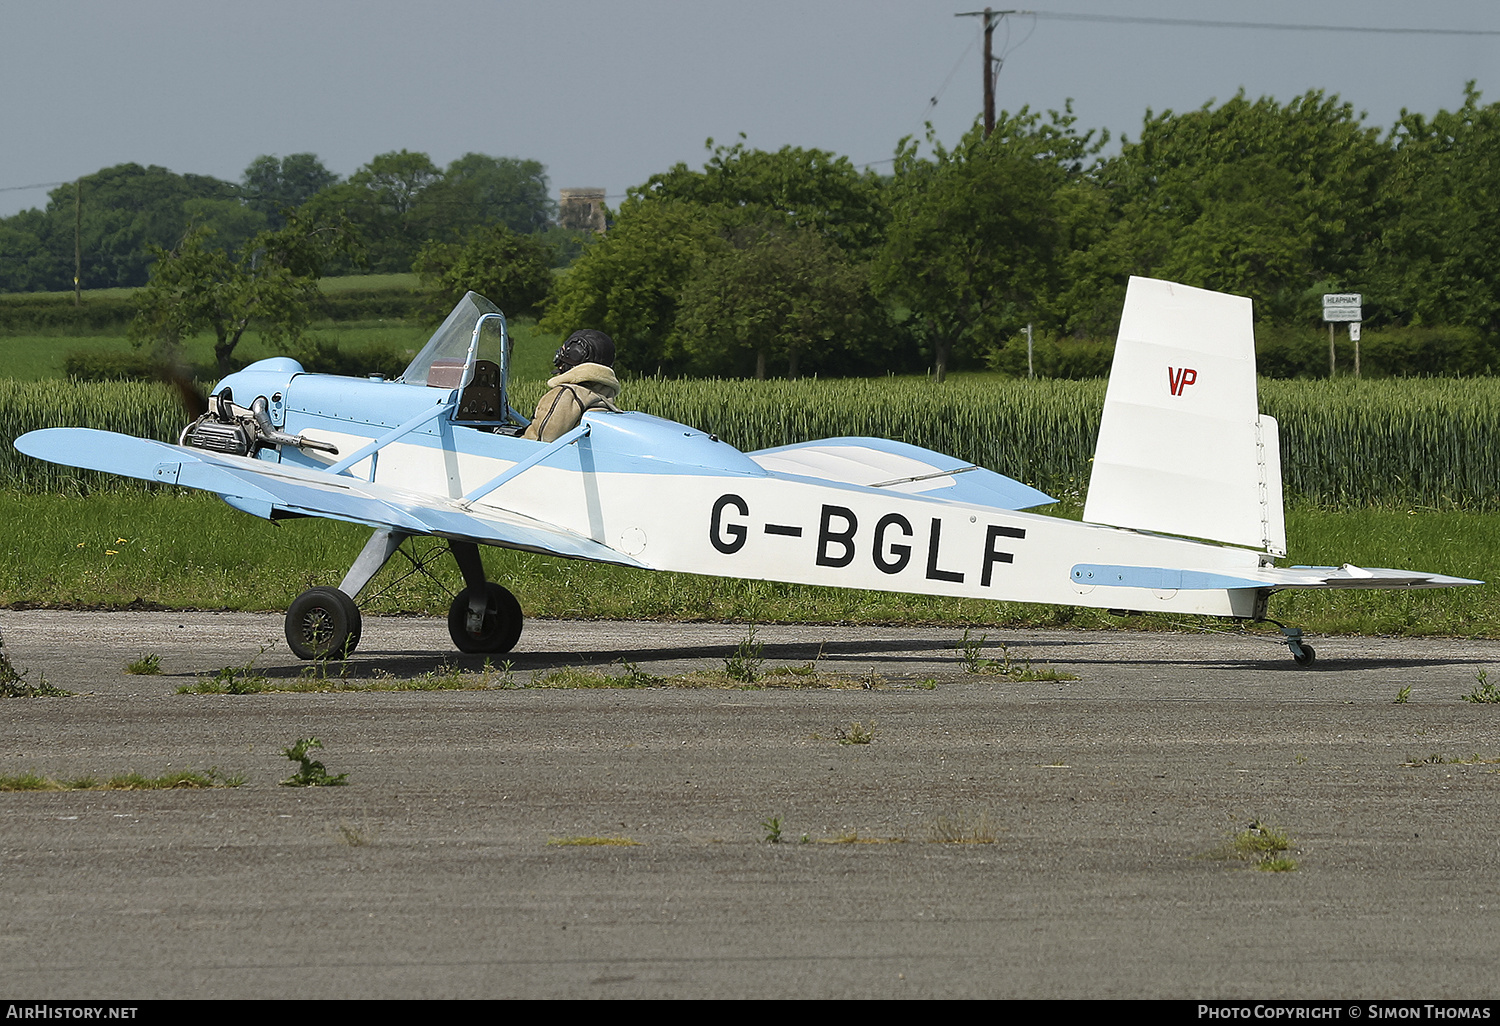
[[991, 65], [77, 241]]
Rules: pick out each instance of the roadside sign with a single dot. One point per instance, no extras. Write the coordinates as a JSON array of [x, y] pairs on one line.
[[1342, 306], [1354, 331]]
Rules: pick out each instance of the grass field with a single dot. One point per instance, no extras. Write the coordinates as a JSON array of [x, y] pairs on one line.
[[345, 283], [123, 550], [1429, 444], [38, 357]]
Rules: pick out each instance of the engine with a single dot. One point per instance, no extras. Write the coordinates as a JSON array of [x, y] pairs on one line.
[[234, 430]]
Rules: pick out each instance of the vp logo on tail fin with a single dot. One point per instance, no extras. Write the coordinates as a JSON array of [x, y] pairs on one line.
[[1180, 378]]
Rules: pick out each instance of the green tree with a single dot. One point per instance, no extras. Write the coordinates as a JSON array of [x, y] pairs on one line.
[[271, 185], [1254, 198], [631, 281], [512, 271], [381, 201], [230, 222], [1436, 261], [977, 232], [812, 189], [28, 260], [271, 283], [126, 210], [478, 190], [772, 293], [628, 282]]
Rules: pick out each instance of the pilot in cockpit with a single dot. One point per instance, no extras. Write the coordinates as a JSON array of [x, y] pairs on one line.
[[584, 381]]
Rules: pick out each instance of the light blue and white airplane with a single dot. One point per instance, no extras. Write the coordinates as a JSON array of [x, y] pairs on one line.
[[1184, 510]]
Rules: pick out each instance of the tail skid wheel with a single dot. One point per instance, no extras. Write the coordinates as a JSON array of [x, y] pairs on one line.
[[322, 623], [502, 622]]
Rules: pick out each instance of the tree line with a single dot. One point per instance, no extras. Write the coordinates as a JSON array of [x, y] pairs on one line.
[[796, 262], [120, 218]]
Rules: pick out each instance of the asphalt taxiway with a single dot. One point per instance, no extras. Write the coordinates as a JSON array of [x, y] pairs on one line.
[[1096, 804]]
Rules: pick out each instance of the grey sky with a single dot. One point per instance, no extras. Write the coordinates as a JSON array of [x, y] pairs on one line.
[[607, 93]]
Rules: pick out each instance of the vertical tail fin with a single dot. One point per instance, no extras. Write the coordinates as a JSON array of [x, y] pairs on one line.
[[1182, 447]]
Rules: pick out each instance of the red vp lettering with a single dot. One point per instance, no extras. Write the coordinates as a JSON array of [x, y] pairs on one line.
[[1180, 377]]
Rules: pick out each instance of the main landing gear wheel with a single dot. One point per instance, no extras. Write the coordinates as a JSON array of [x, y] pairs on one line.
[[322, 623], [502, 622]]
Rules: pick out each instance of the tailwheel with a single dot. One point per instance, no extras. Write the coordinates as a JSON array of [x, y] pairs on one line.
[[322, 623], [1302, 652], [500, 626]]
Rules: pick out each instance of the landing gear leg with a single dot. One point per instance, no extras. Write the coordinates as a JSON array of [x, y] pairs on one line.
[[1302, 653], [484, 617], [324, 622]]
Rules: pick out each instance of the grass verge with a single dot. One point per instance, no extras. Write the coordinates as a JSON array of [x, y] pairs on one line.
[[193, 552], [180, 780]]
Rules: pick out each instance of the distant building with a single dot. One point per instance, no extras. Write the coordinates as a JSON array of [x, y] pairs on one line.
[[582, 209]]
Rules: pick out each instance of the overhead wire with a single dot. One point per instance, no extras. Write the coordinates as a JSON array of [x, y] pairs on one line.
[[1128, 19]]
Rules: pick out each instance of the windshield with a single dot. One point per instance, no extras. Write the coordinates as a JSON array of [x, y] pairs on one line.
[[442, 361]]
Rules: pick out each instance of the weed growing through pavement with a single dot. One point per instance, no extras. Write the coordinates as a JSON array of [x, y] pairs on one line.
[[317, 670], [632, 676], [13, 683], [232, 680], [744, 665], [1402, 696], [148, 665], [313, 773], [1262, 845], [1486, 693], [970, 653], [593, 842], [857, 734], [805, 676], [772, 827]]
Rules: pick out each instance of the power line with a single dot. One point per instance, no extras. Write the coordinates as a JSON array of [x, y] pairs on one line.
[[38, 185], [1124, 19]]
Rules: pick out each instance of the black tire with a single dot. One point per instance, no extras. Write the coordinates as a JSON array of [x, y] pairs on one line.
[[502, 622], [322, 623], [1307, 656]]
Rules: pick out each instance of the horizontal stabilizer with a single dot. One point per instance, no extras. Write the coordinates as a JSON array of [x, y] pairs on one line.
[[899, 467], [264, 488], [1158, 578]]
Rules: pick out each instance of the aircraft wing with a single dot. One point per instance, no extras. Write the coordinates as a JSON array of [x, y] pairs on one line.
[[1272, 578], [902, 468], [264, 489]]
